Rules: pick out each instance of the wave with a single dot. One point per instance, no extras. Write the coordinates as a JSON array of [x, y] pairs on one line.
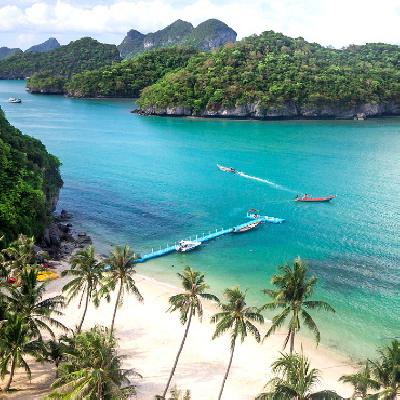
[[266, 181]]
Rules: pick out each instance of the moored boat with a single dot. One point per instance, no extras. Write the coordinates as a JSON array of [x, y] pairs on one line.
[[227, 169], [246, 227], [307, 199], [186, 245], [14, 100]]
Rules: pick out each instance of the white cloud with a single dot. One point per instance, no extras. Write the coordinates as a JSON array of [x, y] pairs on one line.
[[339, 22]]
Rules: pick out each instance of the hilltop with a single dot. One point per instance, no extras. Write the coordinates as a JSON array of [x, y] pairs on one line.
[[206, 36], [48, 45], [78, 56]]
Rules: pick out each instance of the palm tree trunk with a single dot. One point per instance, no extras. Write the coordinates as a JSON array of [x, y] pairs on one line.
[[9, 380], [86, 306], [179, 353], [292, 341], [115, 308], [227, 371]]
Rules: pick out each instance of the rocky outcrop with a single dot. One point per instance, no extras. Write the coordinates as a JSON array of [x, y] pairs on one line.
[[288, 110], [60, 239], [206, 36], [48, 45]]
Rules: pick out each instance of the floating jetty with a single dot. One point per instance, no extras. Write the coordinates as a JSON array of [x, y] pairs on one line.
[[205, 237]]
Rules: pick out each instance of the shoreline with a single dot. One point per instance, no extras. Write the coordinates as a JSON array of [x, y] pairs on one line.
[[149, 336]]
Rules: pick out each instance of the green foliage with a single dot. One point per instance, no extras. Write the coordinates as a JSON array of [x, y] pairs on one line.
[[92, 369], [293, 292], [128, 78], [78, 56], [86, 273], [294, 379], [45, 82], [271, 70], [121, 264], [29, 181], [27, 300]]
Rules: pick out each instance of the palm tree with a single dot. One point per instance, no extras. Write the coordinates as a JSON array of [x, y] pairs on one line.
[[27, 301], [20, 253], [92, 369], [238, 319], [122, 263], [15, 342], [294, 379], [362, 381], [86, 272], [294, 289], [386, 371], [188, 304]]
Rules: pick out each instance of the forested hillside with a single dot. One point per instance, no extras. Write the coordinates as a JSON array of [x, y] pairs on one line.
[[29, 183], [128, 78], [272, 75], [82, 55]]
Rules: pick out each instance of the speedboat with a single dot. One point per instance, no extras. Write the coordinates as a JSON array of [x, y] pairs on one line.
[[186, 245], [254, 214], [227, 169], [307, 199], [14, 100], [246, 227]]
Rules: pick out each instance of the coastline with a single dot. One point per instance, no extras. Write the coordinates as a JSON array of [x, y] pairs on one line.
[[145, 329]]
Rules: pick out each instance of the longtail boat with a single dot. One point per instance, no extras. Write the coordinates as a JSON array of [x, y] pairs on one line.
[[308, 199]]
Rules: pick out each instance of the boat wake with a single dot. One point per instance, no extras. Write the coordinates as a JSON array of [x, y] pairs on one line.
[[266, 181]]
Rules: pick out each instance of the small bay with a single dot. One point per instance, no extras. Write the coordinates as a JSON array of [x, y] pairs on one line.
[[149, 181]]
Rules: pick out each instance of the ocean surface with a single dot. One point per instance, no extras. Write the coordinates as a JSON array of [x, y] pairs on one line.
[[149, 181]]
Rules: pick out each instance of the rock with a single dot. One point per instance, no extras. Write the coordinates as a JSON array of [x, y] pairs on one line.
[[65, 215]]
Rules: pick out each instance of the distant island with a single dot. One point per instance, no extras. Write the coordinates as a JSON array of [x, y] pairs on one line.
[[208, 35]]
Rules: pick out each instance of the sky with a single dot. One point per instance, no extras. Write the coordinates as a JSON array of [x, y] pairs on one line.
[[329, 22]]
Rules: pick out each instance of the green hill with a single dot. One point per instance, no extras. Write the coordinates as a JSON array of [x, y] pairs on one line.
[[6, 52], [78, 56], [29, 183], [272, 75], [207, 35], [129, 77]]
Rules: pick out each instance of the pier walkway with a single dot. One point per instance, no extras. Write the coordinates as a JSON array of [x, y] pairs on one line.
[[198, 238]]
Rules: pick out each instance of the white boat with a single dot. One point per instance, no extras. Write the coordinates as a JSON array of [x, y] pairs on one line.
[[186, 245], [227, 169], [14, 100], [246, 227]]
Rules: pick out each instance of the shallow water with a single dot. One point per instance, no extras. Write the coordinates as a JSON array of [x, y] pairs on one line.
[[150, 181]]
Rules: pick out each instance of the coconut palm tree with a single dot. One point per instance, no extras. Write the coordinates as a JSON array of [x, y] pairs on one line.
[[386, 371], [294, 379], [293, 294], [237, 319], [92, 369], [16, 341], [188, 303], [20, 253], [362, 381], [86, 273], [121, 271], [27, 301]]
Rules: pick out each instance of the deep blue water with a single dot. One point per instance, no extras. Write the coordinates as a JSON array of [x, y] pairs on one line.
[[149, 181]]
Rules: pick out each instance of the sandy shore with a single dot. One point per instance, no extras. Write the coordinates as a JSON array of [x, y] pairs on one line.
[[150, 337]]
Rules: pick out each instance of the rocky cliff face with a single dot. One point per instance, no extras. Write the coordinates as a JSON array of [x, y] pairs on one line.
[[206, 36], [289, 110], [48, 45]]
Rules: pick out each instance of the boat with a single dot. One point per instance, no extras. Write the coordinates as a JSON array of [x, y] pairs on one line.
[[255, 214], [246, 227], [186, 245], [227, 169], [308, 199], [14, 100], [43, 276]]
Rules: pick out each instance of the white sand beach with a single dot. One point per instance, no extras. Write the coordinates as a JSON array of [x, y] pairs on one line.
[[150, 337]]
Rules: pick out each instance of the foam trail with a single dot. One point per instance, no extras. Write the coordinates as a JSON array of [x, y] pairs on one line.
[[273, 184]]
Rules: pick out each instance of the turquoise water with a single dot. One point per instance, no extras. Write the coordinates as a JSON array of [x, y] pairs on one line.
[[151, 181]]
